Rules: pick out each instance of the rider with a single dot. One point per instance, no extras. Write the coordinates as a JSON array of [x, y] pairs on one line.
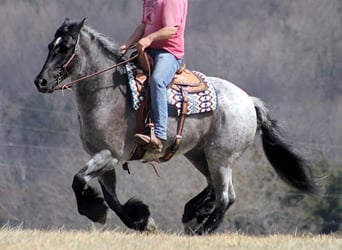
[[161, 33]]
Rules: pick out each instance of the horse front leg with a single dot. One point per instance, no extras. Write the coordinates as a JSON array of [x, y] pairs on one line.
[[89, 201], [134, 213]]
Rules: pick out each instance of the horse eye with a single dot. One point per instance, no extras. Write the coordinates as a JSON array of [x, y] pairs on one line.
[[63, 48]]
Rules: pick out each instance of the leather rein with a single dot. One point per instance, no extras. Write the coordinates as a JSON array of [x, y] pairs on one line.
[[63, 69]]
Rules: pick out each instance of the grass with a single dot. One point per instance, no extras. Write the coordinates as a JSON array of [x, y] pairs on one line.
[[61, 239]]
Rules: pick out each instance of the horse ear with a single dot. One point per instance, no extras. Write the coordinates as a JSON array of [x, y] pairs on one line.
[[66, 21], [83, 21], [81, 24]]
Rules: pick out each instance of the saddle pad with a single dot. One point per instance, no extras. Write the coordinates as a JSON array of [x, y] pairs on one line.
[[203, 101]]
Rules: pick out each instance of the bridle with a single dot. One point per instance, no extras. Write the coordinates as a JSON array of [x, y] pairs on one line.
[[64, 72], [63, 69]]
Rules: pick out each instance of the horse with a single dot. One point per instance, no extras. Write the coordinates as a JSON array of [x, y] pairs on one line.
[[212, 141]]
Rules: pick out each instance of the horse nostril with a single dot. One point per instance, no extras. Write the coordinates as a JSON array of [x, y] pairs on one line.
[[41, 83]]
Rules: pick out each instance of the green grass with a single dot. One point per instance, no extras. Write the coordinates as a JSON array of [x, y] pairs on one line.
[[61, 239]]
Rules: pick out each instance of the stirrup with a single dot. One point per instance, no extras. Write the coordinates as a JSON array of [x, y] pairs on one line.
[[154, 145]]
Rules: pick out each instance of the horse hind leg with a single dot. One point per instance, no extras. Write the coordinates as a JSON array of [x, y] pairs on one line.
[[203, 204], [198, 209], [89, 201], [225, 197]]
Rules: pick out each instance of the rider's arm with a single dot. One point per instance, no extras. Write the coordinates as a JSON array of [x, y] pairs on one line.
[[162, 34], [135, 37]]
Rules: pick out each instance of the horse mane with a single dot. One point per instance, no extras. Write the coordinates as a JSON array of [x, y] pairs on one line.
[[109, 47]]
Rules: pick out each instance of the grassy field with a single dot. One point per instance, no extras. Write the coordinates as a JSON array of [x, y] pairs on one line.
[[35, 239]]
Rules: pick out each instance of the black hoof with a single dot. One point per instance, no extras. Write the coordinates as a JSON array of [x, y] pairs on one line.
[[138, 213]]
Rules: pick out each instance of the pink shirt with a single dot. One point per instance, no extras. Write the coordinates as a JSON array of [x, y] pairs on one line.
[[161, 13]]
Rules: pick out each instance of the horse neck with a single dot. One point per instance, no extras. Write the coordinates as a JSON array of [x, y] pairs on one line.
[[105, 87]]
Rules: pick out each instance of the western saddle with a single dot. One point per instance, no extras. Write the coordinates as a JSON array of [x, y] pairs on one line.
[[184, 81]]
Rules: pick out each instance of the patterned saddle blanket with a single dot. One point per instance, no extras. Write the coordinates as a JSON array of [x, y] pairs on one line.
[[200, 93]]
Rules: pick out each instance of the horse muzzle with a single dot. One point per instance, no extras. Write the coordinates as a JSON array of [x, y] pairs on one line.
[[42, 85]]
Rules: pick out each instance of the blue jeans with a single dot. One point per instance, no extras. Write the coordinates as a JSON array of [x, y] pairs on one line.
[[165, 67]]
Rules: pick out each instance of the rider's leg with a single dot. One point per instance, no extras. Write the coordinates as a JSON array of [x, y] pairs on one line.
[[165, 67]]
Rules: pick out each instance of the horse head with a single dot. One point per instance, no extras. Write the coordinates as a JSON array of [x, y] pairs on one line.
[[61, 58]]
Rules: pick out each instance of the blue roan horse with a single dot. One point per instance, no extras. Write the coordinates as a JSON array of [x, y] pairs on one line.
[[212, 141]]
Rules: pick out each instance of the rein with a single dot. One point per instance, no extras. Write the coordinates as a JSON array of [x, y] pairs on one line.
[[71, 83]]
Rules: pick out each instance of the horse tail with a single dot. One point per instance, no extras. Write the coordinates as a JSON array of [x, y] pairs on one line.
[[287, 162]]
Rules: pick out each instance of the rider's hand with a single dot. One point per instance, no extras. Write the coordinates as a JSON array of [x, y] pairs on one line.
[[144, 43], [123, 49]]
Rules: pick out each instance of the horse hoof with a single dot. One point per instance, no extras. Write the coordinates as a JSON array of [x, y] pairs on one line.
[[189, 227], [102, 220], [151, 226]]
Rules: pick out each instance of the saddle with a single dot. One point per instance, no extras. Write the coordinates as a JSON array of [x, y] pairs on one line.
[[183, 78], [185, 82]]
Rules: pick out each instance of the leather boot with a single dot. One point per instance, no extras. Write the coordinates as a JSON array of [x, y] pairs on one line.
[[154, 144]]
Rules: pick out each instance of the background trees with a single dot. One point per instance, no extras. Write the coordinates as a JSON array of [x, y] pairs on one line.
[[286, 53]]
